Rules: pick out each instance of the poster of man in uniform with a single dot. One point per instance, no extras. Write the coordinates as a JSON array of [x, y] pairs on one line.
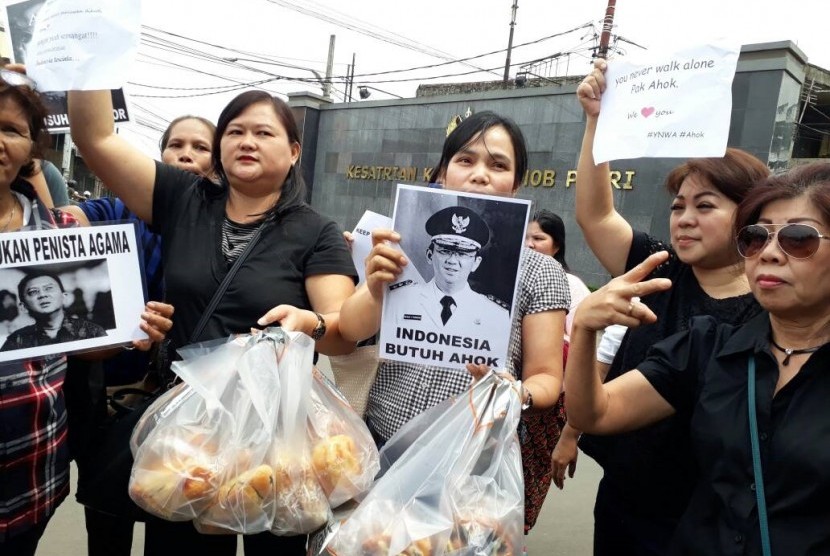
[[458, 307], [69, 290], [20, 19]]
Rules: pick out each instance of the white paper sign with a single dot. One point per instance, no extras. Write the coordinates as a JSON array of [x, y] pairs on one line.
[[362, 239], [675, 104], [83, 44], [467, 248], [69, 290]]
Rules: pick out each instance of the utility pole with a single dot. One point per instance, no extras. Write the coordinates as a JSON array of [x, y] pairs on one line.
[[607, 25], [350, 84], [510, 42], [329, 65]]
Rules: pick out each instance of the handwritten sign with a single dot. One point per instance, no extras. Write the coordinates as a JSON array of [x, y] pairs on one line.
[[667, 105], [69, 290], [467, 248], [83, 44]]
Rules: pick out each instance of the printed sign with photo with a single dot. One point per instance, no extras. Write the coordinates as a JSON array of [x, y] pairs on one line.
[[455, 301], [69, 290]]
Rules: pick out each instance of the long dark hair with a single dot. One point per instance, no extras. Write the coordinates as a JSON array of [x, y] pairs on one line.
[[293, 194], [552, 224], [470, 129]]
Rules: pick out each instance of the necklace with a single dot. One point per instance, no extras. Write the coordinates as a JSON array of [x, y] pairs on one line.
[[791, 352], [11, 214]]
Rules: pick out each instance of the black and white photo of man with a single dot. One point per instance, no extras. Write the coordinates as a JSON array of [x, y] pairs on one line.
[[21, 18], [447, 301], [43, 297]]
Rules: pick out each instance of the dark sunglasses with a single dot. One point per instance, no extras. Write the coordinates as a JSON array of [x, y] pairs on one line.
[[799, 241]]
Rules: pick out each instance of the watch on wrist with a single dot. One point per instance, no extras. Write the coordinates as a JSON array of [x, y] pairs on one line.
[[319, 330], [527, 398]]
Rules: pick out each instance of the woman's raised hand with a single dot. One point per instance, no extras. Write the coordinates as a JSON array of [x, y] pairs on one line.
[[614, 304], [589, 92]]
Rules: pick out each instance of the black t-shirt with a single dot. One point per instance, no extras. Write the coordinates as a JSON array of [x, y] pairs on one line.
[[188, 213], [653, 467], [703, 373]]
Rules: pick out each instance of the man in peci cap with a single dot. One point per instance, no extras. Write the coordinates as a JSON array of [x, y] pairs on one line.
[[447, 303]]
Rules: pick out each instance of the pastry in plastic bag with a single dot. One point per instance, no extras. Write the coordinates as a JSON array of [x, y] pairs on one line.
[[335, 459], [176, 480], [301, 504], [378, 545], [242, 504]]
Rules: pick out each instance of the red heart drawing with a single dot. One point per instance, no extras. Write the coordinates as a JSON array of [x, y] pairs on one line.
[[647, 111]]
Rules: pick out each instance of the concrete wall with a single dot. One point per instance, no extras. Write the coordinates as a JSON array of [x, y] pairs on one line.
[[362, 149]]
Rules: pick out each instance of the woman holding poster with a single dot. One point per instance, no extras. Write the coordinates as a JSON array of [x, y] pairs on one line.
[[34, 453], [485, 154], [649, 474], [205, 226]]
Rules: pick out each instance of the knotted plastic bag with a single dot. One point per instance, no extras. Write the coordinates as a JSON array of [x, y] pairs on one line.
[[450, 484]]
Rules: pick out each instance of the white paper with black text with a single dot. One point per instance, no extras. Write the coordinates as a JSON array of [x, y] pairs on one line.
[[69, 289], [667, 103]]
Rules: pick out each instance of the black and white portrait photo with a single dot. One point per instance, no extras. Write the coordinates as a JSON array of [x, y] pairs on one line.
[[56, 304], [467, 249], [68, 290]]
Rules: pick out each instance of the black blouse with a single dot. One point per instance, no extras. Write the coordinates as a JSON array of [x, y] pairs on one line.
[[653, 468], [702, 373]]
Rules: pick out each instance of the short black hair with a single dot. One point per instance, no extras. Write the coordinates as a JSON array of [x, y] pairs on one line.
[[27, 279], [552, 224]]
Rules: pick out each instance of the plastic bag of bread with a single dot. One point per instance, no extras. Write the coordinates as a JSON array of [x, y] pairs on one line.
[[203, 453], [344, 455], [450, 483]]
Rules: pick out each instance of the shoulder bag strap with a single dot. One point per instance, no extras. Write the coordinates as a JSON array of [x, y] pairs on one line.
[[766, 550], [220, 291]]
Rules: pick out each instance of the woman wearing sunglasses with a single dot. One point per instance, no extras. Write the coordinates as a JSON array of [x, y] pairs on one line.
[[754, 395], [648, 475]]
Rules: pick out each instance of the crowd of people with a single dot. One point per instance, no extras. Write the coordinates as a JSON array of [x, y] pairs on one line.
[[705, 413]]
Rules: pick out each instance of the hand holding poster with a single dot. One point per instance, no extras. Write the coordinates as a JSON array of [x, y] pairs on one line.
[[69, 290], [675, 104], [83, 44], [467, 248]]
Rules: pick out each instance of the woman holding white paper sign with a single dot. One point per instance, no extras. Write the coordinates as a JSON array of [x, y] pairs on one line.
[[298, 269], [649, 474], [34, 452], [486, 154]]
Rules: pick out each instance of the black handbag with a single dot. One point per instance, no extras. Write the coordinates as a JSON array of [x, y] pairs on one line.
[[105, 465]]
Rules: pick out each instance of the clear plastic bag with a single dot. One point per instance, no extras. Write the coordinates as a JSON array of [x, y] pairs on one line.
[[451, 483], [253, 440]]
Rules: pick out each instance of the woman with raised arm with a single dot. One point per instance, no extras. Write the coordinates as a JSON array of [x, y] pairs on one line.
[[297, 272], [753, 396], [648, 475]]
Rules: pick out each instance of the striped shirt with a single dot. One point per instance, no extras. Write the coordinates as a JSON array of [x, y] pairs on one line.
[[34, 455], [403, 390]]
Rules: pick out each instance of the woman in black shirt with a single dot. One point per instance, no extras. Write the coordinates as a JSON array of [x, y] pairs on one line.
[[648, 474], [298, 274], [704, 376]]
